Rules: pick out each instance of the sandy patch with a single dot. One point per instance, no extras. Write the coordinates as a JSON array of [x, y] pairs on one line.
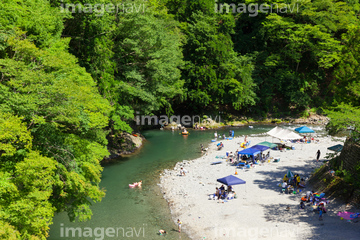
[[259, 212]]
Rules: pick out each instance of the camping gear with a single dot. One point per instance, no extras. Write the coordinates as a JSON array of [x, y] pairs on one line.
[[268, 144], [260, 147], [214, 163], [282, 133], [348, 215], [336, 148], [304, 129], [241, 164], [230, 180], [249, 151], [289, 174]]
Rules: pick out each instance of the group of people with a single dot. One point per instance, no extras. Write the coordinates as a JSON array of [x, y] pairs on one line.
[[221, 193], [315, 200], [216, 136], [292, 183], [196, 126]]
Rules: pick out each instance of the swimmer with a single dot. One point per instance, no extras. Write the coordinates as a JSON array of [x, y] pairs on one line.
[[139, 183], [161, 232]]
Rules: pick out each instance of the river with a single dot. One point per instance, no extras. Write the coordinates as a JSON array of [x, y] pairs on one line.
[[139, 213]]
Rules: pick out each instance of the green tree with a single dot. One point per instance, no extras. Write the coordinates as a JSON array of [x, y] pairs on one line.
[[26, 183], [295, 50], [346, 83], [60, 106], [214, 75]]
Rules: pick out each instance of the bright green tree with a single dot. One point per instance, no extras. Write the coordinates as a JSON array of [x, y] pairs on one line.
[[59, 105]]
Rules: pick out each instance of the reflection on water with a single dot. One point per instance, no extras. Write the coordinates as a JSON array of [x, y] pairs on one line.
[[140, 213]]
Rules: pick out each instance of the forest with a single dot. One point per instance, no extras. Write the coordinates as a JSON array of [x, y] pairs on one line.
[[71, 71]]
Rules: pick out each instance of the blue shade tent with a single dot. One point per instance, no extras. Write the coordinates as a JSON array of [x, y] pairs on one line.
[[249, 151], [231, 180], [304, 129], [336, 148], [260, 147]]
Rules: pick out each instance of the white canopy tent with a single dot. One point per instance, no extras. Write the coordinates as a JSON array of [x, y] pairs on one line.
[[283, 134]]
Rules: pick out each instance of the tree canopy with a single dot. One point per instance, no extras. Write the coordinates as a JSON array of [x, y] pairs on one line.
[[72, 76]]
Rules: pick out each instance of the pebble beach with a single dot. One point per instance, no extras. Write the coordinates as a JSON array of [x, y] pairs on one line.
[[260, 210]]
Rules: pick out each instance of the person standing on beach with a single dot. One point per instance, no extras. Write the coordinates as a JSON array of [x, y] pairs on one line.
[[320, 214], [179, 225], [318, 155]]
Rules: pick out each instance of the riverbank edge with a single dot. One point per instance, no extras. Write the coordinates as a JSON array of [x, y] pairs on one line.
[[164, 190], [124, 145], [134, 143], [209, 123]]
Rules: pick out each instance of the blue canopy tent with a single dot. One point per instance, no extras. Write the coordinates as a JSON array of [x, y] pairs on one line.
[[249, 151], [231, 180], [261, 148], [304, 129]]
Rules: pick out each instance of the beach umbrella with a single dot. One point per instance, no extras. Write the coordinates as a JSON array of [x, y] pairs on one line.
[[231, 180], [304, 129], [289, 174]]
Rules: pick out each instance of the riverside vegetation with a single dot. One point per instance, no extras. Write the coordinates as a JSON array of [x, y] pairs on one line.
[[70, 79]]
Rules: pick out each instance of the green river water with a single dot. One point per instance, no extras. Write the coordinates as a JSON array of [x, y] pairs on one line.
[[140, 213]]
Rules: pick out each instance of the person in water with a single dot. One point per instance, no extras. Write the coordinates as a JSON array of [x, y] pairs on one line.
[[161, 232], [185, 131], [139, 183]]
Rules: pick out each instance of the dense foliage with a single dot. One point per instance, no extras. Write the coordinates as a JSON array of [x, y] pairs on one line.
[[71, 72]]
